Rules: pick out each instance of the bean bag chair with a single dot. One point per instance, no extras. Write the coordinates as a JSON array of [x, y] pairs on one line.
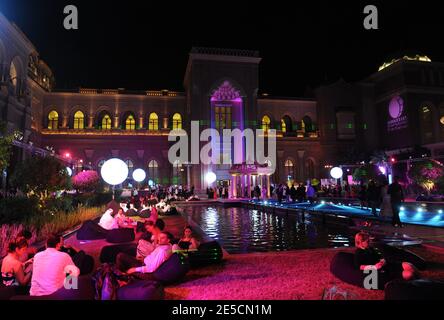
[[145, 213], [84, 291], [109, 253], [91, 231], [172, 270], [421, 289], [342, 267], [397, 254], [141, 290], [120, 235], [207, 253], [6, 293]]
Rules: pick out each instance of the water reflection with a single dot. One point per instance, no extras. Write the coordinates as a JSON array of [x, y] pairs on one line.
[[241, 230]]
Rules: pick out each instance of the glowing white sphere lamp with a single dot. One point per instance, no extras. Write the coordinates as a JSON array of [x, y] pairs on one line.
[[139, 175], [210, 177], [69, 170], [114, 171], [336, 173], [150, 183]]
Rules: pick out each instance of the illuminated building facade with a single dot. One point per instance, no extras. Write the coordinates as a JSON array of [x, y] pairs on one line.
[[399, 106]]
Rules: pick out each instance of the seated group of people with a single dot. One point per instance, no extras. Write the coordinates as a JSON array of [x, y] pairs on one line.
[[43, 273], [39, 273], [154, 247]]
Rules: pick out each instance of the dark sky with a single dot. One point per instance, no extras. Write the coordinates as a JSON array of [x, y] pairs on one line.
[[145, 44]]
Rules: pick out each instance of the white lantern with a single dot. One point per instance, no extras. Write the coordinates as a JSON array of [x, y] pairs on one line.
[[150, 183], [69, 171], [139, 175], [336, 172], [210, 177], [114, 171]]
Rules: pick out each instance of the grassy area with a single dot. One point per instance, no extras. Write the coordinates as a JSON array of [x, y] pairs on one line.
[[41, 225]]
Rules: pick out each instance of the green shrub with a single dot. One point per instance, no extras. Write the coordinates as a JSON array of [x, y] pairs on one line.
[[17, 209]]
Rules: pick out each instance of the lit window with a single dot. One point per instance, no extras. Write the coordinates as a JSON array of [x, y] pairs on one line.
[[223, 117], [79, 120], [153, 123], [106, 122], [53, 120], [266, 123], [153, 168], [177, 121], [130, 123], [283, 125]]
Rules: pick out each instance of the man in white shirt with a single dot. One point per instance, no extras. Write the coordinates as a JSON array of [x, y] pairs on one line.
[[50, 268], [161, 253], [108, 221]]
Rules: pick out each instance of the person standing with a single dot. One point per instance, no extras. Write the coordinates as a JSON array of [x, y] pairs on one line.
[[373, 196], [396, 198]]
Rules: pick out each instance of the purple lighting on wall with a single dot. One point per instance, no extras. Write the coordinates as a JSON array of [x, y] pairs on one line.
[[382, 169]]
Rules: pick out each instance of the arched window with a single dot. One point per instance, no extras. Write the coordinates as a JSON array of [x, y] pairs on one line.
[[266, 123], [130, 123], [153, 122], [130, 165], [289, 169], [79, 120], [177, 121], [106, 122], [286, 124], [53, 120], [13, 74], [153, 169], [307, 124], [426, 124], [283, 126]]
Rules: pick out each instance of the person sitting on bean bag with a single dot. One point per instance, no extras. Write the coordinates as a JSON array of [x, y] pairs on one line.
[[151, 262], [108, 221], [188, 242], [147, 241], [123, 221], [367, 257]]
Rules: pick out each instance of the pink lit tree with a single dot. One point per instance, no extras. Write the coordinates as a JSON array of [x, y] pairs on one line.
[[86, 181], [426, 174]]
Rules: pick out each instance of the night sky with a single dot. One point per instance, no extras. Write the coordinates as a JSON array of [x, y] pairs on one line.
[[141, 45]]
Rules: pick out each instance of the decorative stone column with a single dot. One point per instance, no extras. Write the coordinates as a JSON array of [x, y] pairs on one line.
[[90, 121], [65, 121], [116, 122], [165, 123], [140, 122], [249, 185], [268, 187]]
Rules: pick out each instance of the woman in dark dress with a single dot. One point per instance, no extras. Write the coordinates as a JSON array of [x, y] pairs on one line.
[[188, 241]]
